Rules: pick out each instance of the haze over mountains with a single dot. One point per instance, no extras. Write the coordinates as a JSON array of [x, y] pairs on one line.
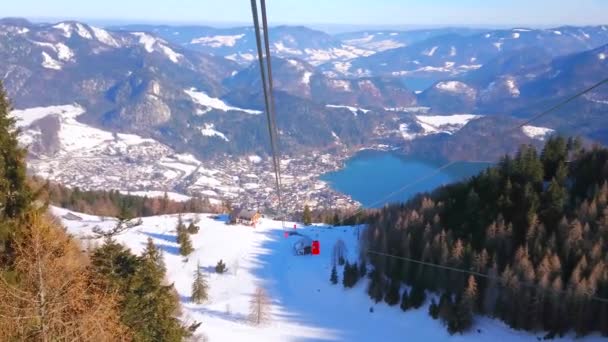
[[197, 90]]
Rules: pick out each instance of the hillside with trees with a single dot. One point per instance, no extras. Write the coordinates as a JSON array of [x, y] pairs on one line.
[[524, 241], [50, 290]]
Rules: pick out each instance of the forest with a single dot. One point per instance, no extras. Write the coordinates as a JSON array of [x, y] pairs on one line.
[[524, 241], [113, 203]]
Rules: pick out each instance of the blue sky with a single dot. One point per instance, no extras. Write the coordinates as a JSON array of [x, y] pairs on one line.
[[355, 12]]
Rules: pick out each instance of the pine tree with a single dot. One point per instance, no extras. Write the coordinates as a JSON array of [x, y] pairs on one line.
[[392, 295], [307, 216], [334, 275], [15, 195], [192, 228], [185, 246], [362, 269], [417, 297], [199, 286], [220, 267], [405, 301], [151, 308], [434, 309], [155, 255], [376, 286], [346, 276]]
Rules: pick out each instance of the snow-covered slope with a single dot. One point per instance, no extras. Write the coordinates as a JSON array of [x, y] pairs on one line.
[[436, 124], [305, 307], [210, 103]]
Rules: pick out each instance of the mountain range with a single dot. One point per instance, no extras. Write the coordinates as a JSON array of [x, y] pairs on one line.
[[197, 89]]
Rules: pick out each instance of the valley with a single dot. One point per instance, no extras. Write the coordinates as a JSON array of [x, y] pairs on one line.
[[179, 109]]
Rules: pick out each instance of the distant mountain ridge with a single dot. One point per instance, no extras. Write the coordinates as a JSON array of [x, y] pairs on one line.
[[192, 88]]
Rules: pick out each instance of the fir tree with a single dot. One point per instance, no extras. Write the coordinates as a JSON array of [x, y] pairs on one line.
[[434, 309], [185, 246], [346, 276], [405, 305], [220, 267], [307, 216], [192, 228], [417, 296], [392, 295], [362, 269], [155, 255], [15, 195], [199, 286], [334, 275]]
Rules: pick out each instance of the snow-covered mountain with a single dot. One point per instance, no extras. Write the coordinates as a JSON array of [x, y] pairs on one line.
[[381, 40], [304, 304], [452, 54], [238, 44], [523, 84], [301, 79]]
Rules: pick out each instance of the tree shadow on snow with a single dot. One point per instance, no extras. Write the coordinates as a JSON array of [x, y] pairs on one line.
[[168, 249], [164, 237], [295, 296], [224, 315]]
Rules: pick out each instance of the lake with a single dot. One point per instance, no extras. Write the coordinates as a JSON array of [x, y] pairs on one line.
[[370, 176]]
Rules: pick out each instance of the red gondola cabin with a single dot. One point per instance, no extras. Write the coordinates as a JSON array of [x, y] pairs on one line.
[[316, 248]]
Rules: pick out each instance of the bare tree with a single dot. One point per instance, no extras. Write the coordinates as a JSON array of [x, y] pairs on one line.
[[259, 307]]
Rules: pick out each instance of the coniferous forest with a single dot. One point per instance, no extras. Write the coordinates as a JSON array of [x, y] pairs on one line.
[[536, 224]]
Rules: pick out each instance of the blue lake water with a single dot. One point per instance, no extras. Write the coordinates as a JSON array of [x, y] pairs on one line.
[[370, 176]]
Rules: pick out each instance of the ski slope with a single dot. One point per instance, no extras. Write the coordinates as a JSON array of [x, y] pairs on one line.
[[305, 306]]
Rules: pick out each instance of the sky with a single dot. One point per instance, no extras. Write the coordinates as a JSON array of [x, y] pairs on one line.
[[376, 13]]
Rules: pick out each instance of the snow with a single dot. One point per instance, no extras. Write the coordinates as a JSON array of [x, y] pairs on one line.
[[63, 52], [512, 86], [172, 55], [212, 102], [50, 63], [73, 135], [535, 132], [146, 40], [601, 56], [255, 159], [516, 35], [150, 42], [25, 117], [280, 47], [104, 36], [209, 131], [82, 31], [306, 77], [498, 45], [453, 51], [218, 41], [340, 84], [65, 28], [559, 33], [453, 87], [354, 110], [342, 67], [431, 52], [447, 120], [305, 306]]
